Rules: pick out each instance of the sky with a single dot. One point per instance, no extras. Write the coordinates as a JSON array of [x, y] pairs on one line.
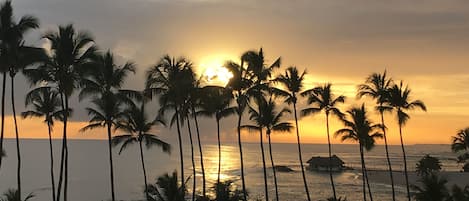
[[423, 43]]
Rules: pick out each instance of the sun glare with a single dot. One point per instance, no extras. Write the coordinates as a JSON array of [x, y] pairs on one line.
[[213, 73]]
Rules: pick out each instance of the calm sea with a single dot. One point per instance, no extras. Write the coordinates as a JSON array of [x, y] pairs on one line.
[[89, 177]]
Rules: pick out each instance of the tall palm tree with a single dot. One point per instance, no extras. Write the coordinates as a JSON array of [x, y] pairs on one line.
[[377, 87], [399, 100], [46, 103], [217, 101], [194, 100], [292, 80], [172, 79], [185, 113], [257, 118], [15, 56], [137, 128], [322, 99], [461, 144], [269, 118], [103, 83], [70, 54], [250, 77], [360, 129]]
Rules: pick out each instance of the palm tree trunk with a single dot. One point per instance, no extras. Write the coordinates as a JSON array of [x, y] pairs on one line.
[[273, 167], [144, 170], [111, 166], [387, 157], [330, 156], [64, 146], [200, 152], [366, 177], [192, 159], [263, 166], [49, 129], [18, 154], [66, 150], [219, 150], [241, 155], [363, 172], [405, 163], [181, 154], [3, 115], [299, 153]]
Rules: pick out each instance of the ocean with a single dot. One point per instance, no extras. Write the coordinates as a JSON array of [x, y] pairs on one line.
[[89, 176]]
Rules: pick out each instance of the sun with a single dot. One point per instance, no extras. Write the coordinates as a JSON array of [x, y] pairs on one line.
[[213, 73]]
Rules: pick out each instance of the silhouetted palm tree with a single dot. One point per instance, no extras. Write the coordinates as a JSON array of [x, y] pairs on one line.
[[293, 82], [461, 144], [322, 99], [399, 100], [46, 103], [377, 87], [166, 188], [194, 100], [103, 84], [226, 191], [216, 101], [70, 55], [428, 165], [185, 113], [459, 194], [433, 188], [269, 118], [360, 129], [255, 116], [14, 57], [14, 195], [137, 128], [172, 79], [249, 78]]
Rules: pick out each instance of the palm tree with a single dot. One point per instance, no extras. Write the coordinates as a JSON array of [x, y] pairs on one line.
[[459, 194], [216, 101], [461, 144], [103, 83], [14, 195], [360, 129], [428, 165], [226, 191], [399, 100], [46, 103], [269, 118], [169, 187], [247, 82], [257, 118], [377, 87], [194, 101], [433, 188], [322, 99], [292, 80], [70, 54], [15, 56], [185, 113], [172, 79], [138, 130]]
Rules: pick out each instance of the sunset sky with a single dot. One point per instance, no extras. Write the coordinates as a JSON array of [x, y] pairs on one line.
[[424, 43]]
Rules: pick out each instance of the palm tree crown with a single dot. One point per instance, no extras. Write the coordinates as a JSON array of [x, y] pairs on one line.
[[399, 98], [322, 99]]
